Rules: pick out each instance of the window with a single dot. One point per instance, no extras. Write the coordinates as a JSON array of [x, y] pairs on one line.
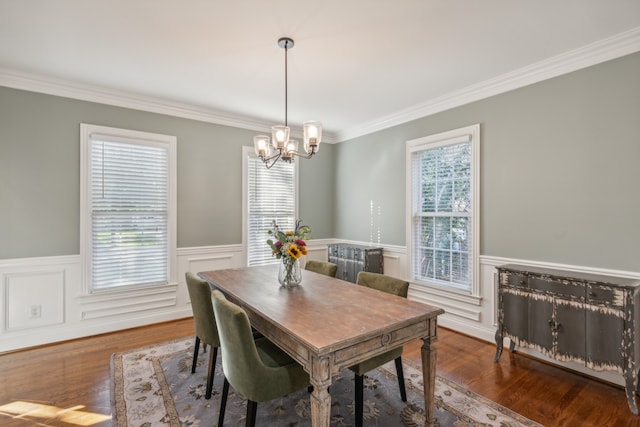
[[128, 208], [442, 235], [270, 195]]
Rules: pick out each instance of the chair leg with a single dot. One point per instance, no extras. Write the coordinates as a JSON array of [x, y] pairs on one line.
[[195, 355], [223, 402], [359, 384], [212, 366], [252, 408], [400, 372]]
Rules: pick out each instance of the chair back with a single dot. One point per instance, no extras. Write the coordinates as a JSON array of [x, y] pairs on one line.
[[387, 284], [203, 316], [322, 267], [241, 363]]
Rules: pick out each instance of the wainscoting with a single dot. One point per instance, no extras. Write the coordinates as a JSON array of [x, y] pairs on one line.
[[41, 299]]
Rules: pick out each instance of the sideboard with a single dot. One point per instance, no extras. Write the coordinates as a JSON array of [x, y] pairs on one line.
[[589, 319], [352, 259]]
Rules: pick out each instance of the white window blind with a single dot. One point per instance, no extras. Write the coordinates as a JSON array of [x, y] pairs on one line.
[[443, 212], [128, 212], [271, 197]]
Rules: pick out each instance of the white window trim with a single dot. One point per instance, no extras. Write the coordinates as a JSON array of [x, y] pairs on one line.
[[86, 131], [246, 153], [470, 132]]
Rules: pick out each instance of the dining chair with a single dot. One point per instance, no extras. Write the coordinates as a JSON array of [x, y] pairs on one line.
[[205, 325], [393, 286], [256, 368], [322, 267]]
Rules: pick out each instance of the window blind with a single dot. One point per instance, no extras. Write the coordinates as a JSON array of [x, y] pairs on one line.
[[271, 197], [129, 209], [442, 214]]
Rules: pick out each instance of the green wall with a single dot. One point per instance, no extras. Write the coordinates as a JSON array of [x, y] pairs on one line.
[[40, 173], [559, 170]]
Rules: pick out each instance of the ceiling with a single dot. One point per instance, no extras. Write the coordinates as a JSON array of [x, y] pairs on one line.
[[356, 64]]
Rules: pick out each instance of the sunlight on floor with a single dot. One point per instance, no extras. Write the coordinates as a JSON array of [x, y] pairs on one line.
[[28, 410]]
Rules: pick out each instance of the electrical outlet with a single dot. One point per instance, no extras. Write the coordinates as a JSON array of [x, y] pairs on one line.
[[35, 311]]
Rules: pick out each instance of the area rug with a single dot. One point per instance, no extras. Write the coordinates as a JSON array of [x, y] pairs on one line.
[[153, 386]]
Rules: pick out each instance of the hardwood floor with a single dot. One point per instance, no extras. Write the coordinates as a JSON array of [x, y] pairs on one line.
[[541, 392], [67, 384]]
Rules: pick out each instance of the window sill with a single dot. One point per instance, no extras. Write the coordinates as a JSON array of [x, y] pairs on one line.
[[448, 293]]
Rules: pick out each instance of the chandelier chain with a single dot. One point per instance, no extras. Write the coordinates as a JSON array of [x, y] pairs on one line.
[[286, 84]]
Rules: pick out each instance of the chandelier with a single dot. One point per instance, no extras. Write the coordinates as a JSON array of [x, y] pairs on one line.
[[281, 147]]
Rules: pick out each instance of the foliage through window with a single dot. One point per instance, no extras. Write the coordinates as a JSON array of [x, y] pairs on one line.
[[443, 236], [128, 207]]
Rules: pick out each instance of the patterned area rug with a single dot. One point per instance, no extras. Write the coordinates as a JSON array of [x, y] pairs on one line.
[[153, 386]]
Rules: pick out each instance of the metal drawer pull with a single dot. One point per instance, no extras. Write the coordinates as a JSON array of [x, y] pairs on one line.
[[554, 326]]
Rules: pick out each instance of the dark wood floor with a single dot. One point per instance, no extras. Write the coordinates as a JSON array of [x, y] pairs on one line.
[[74, 377]]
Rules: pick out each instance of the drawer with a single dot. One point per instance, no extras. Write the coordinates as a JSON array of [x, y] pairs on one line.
[[605, 295], [558, 287], [513, 278]]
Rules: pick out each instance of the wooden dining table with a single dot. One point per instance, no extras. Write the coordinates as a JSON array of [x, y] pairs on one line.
[[328, 324]]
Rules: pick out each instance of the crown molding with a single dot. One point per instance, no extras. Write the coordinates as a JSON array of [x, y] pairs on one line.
[[17, 79], [604, 50], [601, 51]]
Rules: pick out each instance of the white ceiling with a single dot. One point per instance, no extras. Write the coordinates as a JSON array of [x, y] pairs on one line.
[[356, 64]]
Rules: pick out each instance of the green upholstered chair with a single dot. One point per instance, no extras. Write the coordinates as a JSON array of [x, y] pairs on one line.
[[205, 324], [322, 267], [256, 368], [393, 286]]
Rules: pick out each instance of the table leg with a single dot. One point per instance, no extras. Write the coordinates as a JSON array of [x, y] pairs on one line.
[[429, 353], [320, 403]]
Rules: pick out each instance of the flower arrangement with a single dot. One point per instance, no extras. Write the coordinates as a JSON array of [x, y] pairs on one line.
[[289, 246]]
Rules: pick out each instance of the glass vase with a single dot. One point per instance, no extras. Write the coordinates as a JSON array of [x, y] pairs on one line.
[[290, 274]]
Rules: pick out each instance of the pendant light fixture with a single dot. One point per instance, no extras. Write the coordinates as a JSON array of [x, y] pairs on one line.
[[281, 147]]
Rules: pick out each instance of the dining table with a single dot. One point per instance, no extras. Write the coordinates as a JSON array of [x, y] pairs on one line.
[[327, 324]]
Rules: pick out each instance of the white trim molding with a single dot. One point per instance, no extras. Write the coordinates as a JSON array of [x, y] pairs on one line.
[[41, 299], [22, 80], [95, 314], [604, 50], [601, 51]]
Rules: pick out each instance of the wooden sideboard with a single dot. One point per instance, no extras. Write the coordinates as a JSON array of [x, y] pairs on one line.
[[589, 319]]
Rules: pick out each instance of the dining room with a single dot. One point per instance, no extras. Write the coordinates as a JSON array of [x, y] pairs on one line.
[[529, 159]]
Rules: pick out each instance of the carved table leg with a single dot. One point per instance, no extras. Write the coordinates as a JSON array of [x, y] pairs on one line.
[[320, 405], [320, 398], [429, 353]]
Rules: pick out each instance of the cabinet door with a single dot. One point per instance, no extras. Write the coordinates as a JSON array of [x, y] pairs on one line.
[[604, 338], [541, 322], [516, 314], [569, 328]]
